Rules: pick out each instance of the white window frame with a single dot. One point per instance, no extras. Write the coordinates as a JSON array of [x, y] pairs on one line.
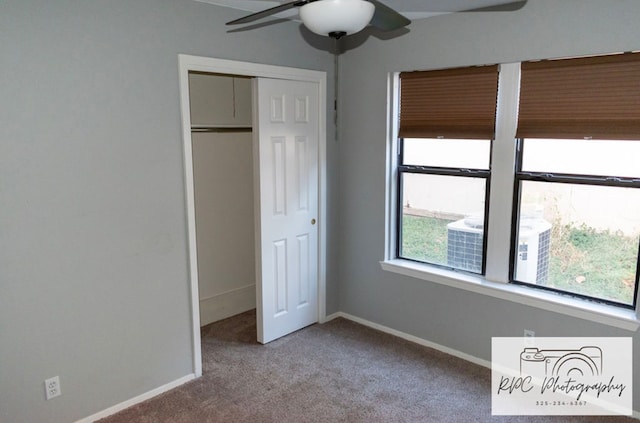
[[495, 282]]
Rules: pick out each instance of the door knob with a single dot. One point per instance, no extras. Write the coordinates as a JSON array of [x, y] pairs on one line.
[[313, 221]]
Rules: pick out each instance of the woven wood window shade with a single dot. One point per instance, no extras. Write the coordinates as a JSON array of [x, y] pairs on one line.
[[593, 97], [450, 103]]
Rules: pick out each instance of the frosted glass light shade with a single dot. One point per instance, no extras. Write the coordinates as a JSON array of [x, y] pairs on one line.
[[326, 16]]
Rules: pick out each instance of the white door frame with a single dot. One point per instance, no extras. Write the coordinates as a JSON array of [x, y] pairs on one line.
[[207, 64]]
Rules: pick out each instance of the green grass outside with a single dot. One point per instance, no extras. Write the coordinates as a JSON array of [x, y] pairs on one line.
[[583, 260], [425, 239]]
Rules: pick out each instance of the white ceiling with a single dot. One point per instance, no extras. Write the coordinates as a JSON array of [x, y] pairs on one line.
[[412, 9]]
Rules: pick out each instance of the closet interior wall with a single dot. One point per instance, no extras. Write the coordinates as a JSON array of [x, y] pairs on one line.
[[221, 125]]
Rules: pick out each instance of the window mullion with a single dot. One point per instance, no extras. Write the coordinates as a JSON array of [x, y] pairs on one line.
[[393, 159], [503, 156]]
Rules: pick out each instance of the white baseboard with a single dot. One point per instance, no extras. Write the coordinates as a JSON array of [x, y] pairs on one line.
[[411, 338], [227, 304], [423, 342], [171, 385], [136, 400]]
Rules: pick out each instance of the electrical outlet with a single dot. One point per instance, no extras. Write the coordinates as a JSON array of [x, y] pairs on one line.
[[52, 387], [529, 340]]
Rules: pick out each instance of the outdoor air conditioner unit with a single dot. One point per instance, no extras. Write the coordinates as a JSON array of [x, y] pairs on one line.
[[532, 260], [465, 242]]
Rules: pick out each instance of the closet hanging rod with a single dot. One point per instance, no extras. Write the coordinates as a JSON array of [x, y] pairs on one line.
[[221, 129]]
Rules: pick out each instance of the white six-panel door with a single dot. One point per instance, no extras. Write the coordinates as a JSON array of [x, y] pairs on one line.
[[287, 243]]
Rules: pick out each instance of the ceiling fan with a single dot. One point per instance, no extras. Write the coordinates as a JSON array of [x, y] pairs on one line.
[[337, 18]]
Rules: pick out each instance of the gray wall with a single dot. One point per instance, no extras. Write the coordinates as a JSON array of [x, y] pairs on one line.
[[93, 250], [93, 256], [454, 318]]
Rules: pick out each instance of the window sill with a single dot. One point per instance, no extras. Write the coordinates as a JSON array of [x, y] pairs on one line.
[[599, 313]]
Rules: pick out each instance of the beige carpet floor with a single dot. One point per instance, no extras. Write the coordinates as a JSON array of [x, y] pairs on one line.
[[336, 372]]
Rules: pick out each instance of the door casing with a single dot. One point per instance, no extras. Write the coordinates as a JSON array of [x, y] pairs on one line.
[[189, 63]]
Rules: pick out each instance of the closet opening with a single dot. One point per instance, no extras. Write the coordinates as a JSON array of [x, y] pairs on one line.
[[223, 171], [256, 228]]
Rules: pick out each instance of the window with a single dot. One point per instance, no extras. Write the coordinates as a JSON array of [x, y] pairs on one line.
[[578, 196], [561, 162], [447, 120], [578, 227], [443, 196]]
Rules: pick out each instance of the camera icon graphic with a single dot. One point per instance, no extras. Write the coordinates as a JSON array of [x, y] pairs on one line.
[[583, 362]]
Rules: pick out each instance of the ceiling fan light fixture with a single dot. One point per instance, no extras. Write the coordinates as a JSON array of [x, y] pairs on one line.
[[326, 17]]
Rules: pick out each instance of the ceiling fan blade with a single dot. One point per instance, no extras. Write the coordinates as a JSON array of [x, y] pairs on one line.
[[507, 7], [269, 12], [387, 19]]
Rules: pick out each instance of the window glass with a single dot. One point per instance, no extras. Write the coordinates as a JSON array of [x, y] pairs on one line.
[[468, 154], [588, 157], [579, 238], [442, 220]]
